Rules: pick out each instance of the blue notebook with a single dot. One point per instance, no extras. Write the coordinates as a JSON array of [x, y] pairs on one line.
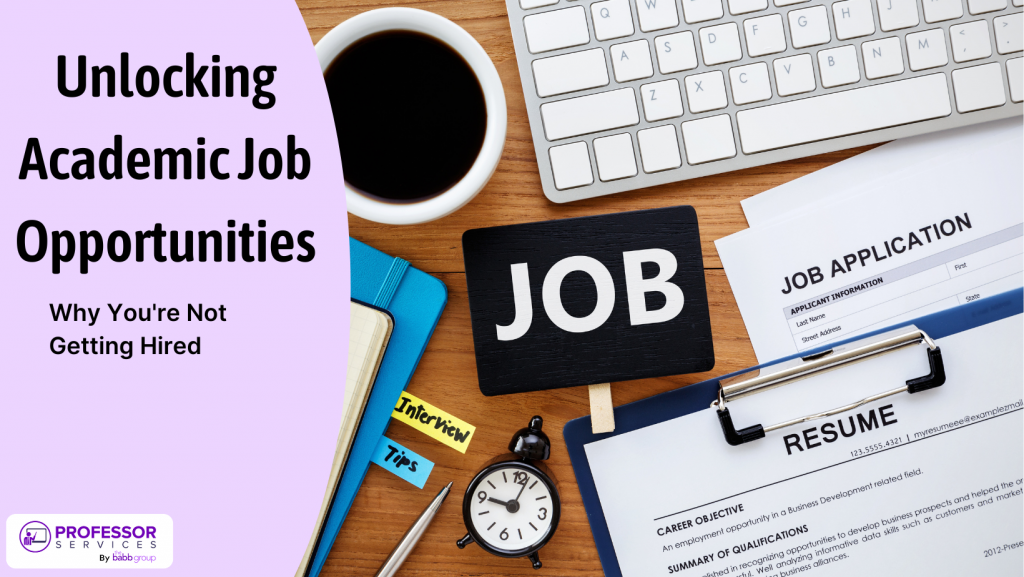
[[697, 397], [415, 300]]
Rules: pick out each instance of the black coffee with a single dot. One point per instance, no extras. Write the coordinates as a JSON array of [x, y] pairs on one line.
[[410, 115]]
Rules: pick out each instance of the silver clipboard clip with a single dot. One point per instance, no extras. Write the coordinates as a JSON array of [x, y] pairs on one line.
[[766, 378]]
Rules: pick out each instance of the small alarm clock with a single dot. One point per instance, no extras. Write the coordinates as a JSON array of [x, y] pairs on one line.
[[511, 507]]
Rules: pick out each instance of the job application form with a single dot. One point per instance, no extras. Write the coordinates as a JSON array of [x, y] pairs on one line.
[[923, 484], [880, 167], [929, 241]]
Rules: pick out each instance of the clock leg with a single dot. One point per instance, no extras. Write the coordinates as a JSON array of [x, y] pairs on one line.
[[535, 559], [467, 540]]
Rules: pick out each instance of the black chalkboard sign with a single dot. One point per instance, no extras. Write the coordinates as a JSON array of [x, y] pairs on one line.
[[588, 300]]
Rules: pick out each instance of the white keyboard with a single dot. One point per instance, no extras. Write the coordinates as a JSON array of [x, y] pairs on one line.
[[626, 94]]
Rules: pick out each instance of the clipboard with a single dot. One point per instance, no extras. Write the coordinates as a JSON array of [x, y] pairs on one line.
[[673, 404]]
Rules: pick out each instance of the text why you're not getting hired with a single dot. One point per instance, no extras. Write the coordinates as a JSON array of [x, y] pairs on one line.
[[119, 313]]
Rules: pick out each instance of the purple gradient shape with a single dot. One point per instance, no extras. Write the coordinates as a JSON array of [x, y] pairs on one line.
[[246, 431]]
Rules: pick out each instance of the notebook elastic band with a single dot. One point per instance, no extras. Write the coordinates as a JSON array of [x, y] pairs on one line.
[[391, 282]]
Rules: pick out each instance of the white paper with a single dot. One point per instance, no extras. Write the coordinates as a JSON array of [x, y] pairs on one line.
[[878, 165], [800, 283], [927, 509]]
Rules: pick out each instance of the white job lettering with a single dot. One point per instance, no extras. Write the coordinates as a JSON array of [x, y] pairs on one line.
[[524, 306], [637, 286], [636, 289]]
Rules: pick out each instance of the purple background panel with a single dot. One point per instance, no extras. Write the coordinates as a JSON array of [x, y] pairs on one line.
[[234, 444]]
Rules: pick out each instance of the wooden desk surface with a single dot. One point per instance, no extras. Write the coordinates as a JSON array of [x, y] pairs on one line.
[[386, 505]]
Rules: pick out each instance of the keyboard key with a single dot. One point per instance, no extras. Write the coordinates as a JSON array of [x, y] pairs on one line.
[[706, 91], [737, 7], [789, 2], [1014, 70], [764, 35], [612, 19], [794, 75], [701, 10], [978, 87], [927, 49], [676, 52], [720, 44], [708, 139], [570, 165], [570, 72], [527, 4], [940, 10], [659, 149], [631, 61], [853, 19], [1008, 33], [750, 83], [882, 58], [809, 27], [843, 113], [983, 6], [556, 29], [656, 14], [591, 113], [662, 100], [970, 41], [838, 66], [614, 156], [897, 14]]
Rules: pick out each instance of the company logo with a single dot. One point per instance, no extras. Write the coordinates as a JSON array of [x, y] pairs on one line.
[[83, 541], [34, 536]]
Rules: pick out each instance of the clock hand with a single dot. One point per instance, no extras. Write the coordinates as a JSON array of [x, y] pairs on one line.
[[521, 491], [510, 506]]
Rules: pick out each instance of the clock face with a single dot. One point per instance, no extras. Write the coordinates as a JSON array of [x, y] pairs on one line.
[[512, 508]]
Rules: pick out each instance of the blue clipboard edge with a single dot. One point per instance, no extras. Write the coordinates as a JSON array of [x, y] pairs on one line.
[[696, 397]]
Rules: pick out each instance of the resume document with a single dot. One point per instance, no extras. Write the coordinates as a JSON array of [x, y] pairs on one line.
[[923, 484]]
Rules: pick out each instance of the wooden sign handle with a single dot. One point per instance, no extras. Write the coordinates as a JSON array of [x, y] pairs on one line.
[[602, 416]]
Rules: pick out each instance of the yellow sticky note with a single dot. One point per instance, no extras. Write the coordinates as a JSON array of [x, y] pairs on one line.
[[427, 418]]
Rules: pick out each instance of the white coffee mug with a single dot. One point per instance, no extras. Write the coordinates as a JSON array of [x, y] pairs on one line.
[[384, 19]]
